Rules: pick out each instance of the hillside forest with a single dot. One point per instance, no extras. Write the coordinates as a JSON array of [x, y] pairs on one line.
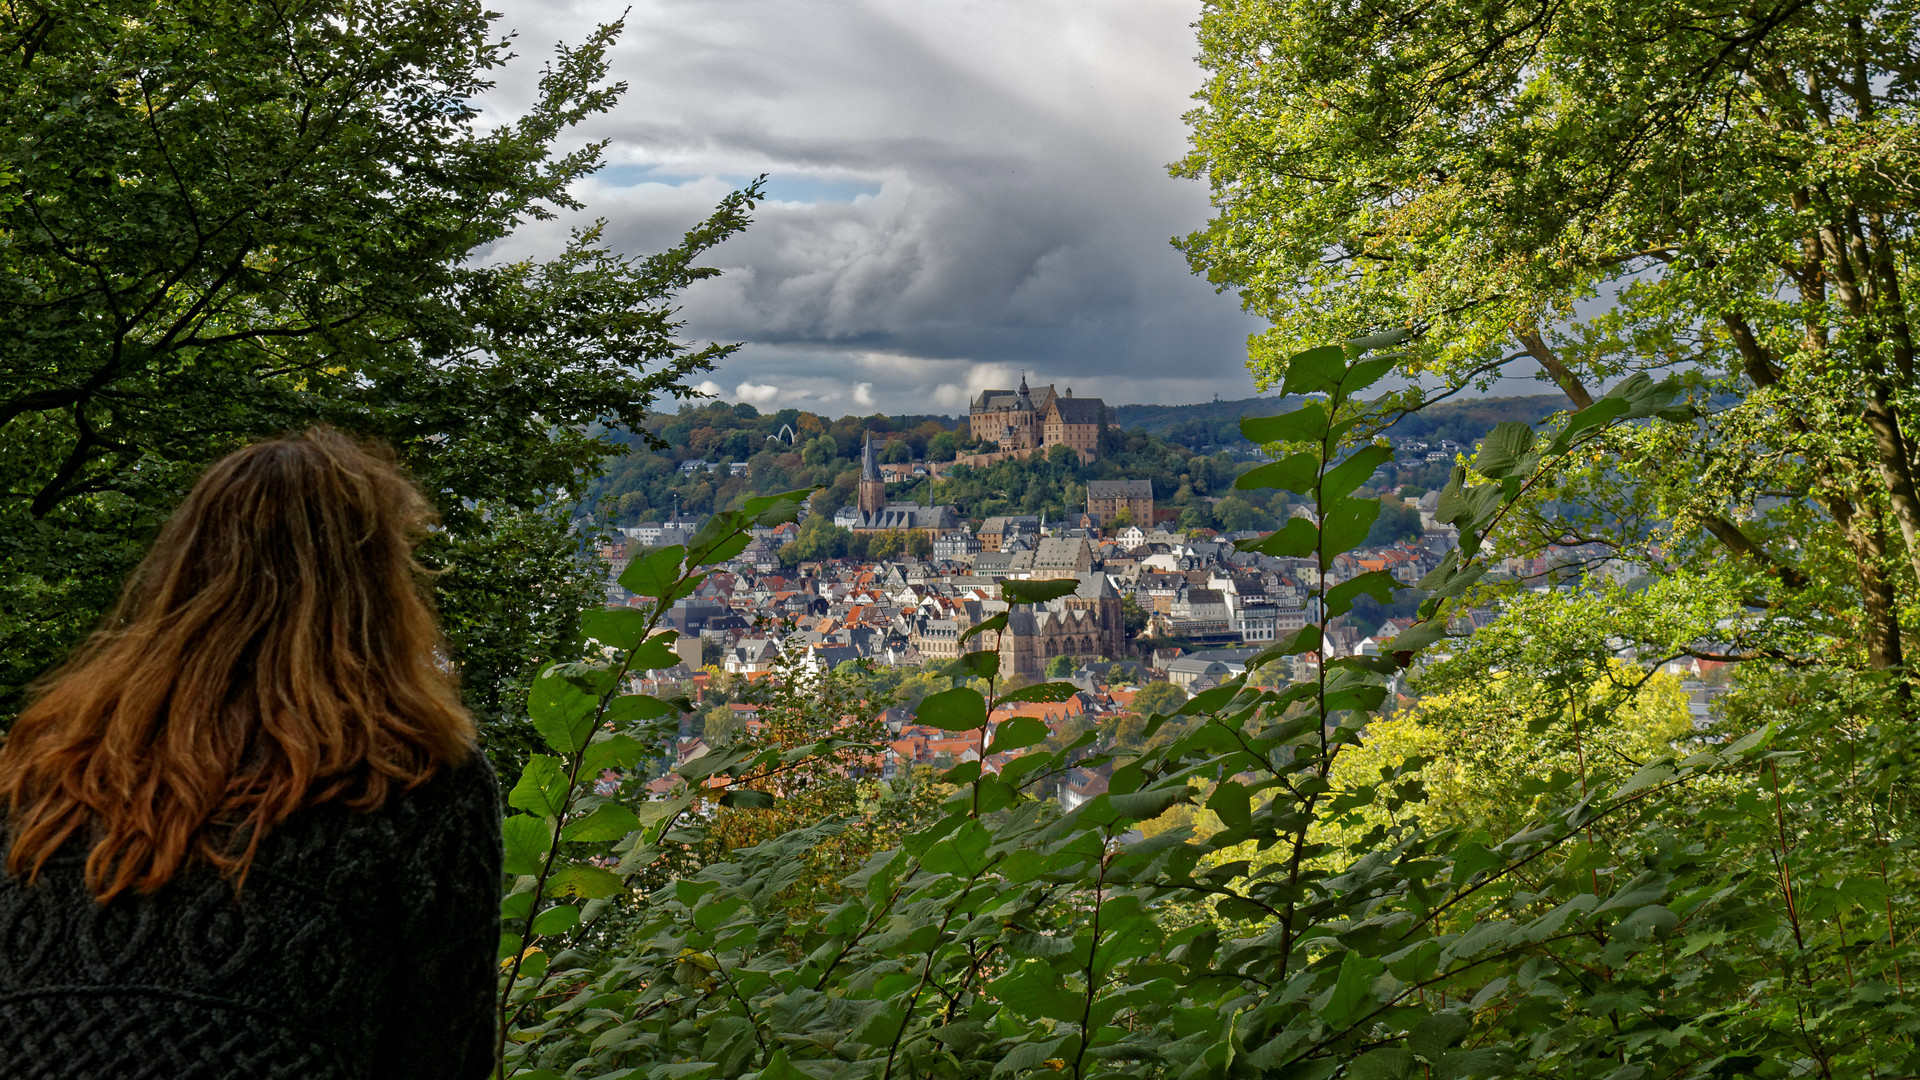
[[792, 448]]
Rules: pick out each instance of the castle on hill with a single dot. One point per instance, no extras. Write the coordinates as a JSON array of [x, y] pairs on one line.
[[1025, 420]]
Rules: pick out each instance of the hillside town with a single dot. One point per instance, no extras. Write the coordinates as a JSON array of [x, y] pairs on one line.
[[1153, 604]]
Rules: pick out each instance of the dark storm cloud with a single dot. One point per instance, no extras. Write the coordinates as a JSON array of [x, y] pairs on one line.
[[959, 192]]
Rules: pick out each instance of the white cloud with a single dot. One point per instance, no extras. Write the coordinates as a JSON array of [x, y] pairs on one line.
[[710, 388], [863, 393], [758, 394]]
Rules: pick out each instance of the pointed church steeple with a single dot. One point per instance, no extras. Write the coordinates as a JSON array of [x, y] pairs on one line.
[[873, 490]]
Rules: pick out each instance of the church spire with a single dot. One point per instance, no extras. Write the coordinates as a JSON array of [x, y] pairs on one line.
[[869, 461]]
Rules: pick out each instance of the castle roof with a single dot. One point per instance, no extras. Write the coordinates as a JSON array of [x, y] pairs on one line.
[[1120, 489], [905, 516], [1086, 410], [998, 400]]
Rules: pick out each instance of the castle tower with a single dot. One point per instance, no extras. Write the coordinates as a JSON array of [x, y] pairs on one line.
[[873, 490]]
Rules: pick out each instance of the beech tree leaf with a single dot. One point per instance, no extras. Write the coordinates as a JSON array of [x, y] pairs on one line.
[[654, 573], [959, 709], [1040, 692], [1037, 591]]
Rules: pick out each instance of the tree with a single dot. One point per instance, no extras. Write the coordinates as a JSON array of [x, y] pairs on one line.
[[1729, 186], [228, 220], [1159, 696], [1132, 615], [820, 451], [942, 447], [919, 544], [1060, 667], [1196, 516], [1397, 521], [898, 452], [1236, 514]]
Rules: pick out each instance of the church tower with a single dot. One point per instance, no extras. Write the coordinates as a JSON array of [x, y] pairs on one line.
[[873, 490]]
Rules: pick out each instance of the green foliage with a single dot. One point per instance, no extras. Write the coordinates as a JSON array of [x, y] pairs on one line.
[[1159, 697], [1541, 868], [231, 220], [1617, 195]]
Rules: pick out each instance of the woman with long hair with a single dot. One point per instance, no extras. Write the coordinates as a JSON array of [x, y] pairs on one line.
[[247, 830]]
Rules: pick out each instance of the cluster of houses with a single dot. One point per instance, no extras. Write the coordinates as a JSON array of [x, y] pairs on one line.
[[1132, 581]]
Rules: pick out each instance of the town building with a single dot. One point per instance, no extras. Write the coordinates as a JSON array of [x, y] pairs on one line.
[[872, 513], [1107, 498]]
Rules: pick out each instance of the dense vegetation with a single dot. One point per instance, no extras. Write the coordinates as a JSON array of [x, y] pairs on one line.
[[220, 221], [793, 448], [1520, 853], [646, 483]]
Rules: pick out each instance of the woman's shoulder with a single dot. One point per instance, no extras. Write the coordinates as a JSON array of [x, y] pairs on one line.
[[458, 804]]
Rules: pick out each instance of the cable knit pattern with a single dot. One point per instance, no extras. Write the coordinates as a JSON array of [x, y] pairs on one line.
[[362, 946]]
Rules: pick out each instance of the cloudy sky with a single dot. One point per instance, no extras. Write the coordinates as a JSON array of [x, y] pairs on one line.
[[961, 191]]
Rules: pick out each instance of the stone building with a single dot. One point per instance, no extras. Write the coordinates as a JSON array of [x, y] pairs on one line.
[[1087, 623], [1027, 419], [874, 514], [1062, 557], [1106, 498]]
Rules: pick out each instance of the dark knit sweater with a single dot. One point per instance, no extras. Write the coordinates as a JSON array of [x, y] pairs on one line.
[[362, 946]]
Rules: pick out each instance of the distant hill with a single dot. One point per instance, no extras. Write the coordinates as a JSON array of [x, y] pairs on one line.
[[1212, 425]]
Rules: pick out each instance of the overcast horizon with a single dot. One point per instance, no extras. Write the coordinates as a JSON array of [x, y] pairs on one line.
[[958, 194]]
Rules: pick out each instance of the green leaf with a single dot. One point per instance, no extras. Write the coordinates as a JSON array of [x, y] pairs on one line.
[[1598, 414], [959, 709], [997, 622], [1296, 538], [1041, 692], [747, 799], [1305, 639], [1352, 992], [1378, 584], [656, 653], [1039, 591], [542, 788], [984, 664], [1018, 732], [622, 628], [1315, 371], [1468, 507], [1354, 471], [525, 840], [1417, 637], [1366, 373], [1033, 989], [1385, 1063], [1305, 424], [778, 1068], [654, 574], [584, 881], [1345, 525], [721, 550], [777, 509], [630, 709], [1434, 1035], [609, 821], [1504, 451], [1231, 801], [562, 712], [557, 919], [1296, 472]]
